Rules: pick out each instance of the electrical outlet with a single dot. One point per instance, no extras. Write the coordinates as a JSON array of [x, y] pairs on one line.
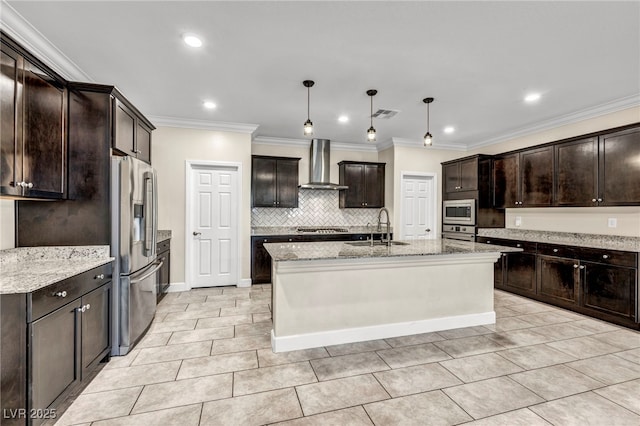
[[612, 222], [518, 220]]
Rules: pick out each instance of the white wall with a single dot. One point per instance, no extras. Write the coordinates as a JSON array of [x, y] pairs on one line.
[[7, 224], [591, 220], [172, 147]]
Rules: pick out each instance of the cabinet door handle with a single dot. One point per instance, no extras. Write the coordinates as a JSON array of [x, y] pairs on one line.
[[605, 256], [265, 241], [99, 277], [488, 241], [88, 306], [555, 250], [61, 294], [582, 266], [274, 202], [576, 266], [599, 200], [518, 245], [137, 151], [593, 200]]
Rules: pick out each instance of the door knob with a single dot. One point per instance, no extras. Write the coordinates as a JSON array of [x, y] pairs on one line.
[[195, 234], [427, 230]]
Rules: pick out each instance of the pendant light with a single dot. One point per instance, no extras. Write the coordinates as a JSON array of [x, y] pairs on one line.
[[308, 125], [428, 137], [371, 133]]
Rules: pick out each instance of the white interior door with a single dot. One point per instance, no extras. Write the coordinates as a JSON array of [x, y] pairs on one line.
[[215, 226], [419, 198]]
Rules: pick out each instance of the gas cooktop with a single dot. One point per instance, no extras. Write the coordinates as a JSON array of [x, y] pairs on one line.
[[328, 230]]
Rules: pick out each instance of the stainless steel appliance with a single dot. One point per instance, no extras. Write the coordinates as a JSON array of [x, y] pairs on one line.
[[134, 227], [459, 212], [457, 232], [319, 166]]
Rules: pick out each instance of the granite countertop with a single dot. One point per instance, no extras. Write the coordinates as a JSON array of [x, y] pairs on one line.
[[611, 242], [27, 269], [264, 231], [163, 235], [344, 250]]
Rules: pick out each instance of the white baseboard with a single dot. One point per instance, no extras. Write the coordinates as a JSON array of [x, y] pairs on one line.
[[175, 287], [244, 282], [360, 334]]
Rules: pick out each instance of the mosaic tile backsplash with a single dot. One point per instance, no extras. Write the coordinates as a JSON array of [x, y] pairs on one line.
[[315, 207]]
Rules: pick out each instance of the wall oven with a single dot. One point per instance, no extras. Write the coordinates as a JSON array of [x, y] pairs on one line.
[[459, 212]]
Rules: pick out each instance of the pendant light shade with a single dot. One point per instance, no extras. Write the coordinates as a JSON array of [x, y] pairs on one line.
[[308, 125], [428, 137], [371, 132]]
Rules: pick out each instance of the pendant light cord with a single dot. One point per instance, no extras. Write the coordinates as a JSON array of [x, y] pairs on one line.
[[308, 94]]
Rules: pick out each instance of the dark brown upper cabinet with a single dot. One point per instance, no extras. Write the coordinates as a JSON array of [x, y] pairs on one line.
[[32, 142], [365, 182], [599, 171], [576, 180], [461, 175], [619, 168], [524, 179], [274, 181], [132, 135]]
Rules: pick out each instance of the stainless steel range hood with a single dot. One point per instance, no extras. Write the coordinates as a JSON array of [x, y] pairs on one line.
[[319, 166]]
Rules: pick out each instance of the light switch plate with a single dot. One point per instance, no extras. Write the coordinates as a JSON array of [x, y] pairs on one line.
[[612, 222], [518, 221]]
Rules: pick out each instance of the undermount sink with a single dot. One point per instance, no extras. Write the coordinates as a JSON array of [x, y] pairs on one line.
[[376, 243]]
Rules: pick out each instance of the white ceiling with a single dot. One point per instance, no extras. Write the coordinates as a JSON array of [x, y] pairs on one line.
[[477, 59]]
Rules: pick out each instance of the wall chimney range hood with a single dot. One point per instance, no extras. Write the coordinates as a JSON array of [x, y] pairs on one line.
[[319, 166]]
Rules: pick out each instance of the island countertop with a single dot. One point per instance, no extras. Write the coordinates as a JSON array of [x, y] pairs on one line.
[[27, 269], [354, 250]]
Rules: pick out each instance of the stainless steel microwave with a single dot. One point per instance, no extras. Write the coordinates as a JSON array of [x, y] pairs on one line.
[[459, 212]]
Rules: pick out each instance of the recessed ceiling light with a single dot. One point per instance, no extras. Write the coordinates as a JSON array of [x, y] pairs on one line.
[[532, 97], [209, 104], [343, 119], [449, 129], [192, 40]]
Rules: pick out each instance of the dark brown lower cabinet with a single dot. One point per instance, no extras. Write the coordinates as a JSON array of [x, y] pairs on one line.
[[58, 335], [557, 279], [610, 290], [596, 282]]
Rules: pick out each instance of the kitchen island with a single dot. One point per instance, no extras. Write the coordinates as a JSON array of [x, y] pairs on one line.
[[328, 293]]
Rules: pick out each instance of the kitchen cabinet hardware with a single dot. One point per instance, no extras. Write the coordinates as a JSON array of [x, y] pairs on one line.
[[518, 245], [99, 277], [600, 200], [582, 266], [594, 200], [605, 256], [61, 294], [365, 183], [555, 250], [575, 266]]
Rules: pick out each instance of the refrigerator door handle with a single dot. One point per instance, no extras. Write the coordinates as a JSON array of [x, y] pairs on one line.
[[148, 274], [150, 221]]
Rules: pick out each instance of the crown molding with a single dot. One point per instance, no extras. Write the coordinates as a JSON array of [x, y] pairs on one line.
[[21, 30], [415, 143], [188, 123], [269, 140], [574, 117], [335, 145]]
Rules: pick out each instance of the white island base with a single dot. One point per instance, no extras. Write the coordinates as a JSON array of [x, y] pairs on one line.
[[334, 301]]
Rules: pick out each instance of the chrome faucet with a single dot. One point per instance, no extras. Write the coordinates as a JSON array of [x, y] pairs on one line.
[[388, 223]]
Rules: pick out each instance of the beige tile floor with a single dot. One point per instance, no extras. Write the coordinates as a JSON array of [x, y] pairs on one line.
[[207, 361]]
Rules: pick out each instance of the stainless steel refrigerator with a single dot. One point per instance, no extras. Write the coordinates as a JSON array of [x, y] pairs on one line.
[[134, 231]]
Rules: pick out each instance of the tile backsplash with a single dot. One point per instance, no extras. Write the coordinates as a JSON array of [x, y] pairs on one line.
[[315, 207]]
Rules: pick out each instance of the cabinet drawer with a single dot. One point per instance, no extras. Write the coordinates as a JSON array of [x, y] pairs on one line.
[[557, 250], [608, 257], [50, 298], [163, 246], [526, 246]]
